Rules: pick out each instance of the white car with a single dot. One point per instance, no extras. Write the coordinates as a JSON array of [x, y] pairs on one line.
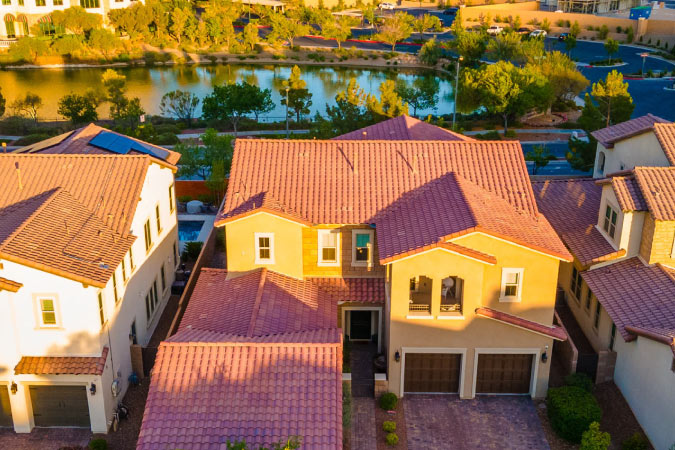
[[386, 5], [494, 30], [538, 34]]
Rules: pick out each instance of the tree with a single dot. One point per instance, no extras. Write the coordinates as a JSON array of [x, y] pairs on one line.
[[594, 439], [611, 47], [28, 105], [565, 80], [28, 49], [389, 104], [232, 102], [79, 108], [457, 27], [396, 29], [504, 46], [530, 51], [470, 46], [299, 97], [421, 94], [216, 182], [582, 153], [181, 19], [614, 101], [179, 104], [122, 109], [540, 156], [198, 160], [2, 103], [105, 41], [250, 36], [286, 28], [133, 20], [427, 22], [570, 43], [575, 30], [76, 20], [67, 45], [219, 16], [338, 28], [430, 52], [160, 16]]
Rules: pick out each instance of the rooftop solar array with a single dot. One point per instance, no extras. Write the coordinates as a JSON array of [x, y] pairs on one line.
[[38, 146], [122, 145]]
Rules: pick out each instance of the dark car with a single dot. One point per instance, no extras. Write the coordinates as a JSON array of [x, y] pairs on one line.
[[563, 36], [450, 11], [523, 30]]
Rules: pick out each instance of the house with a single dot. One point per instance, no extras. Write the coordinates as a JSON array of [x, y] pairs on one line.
[[88, 238], [20, 15], [403, 128], [620, 287]]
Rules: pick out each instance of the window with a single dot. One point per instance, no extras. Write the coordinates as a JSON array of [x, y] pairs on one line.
[[601, 162], [329, 242], [589, 299], [159, 221], [151, 301], [672, 252], [9, 25], [101, 312], [124, 271], [163, 278], [172, 205], [40, 3], [131, 259], [362, 242], [48, 312], [512, 283], [90, 3], [596, 319], [612, 337], [264, 248], [58, 2], [609, 224], [114, 286], [451, 295], [175, 253], [21, 4], [6, 2], [148, 236], [576, 284]]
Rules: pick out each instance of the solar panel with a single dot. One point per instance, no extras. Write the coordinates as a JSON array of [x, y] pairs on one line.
[[122, 145], [42, 145]]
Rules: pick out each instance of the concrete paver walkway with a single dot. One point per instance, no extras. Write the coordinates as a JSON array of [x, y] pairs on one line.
[[364, 434], [44, 438]]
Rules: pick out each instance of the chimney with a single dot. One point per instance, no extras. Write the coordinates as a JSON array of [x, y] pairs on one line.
[[18, 174]]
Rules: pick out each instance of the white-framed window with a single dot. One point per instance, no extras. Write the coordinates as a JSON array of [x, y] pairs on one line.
[[48, 316], [172, 204], [264, 248], [151, 301], [362, 247], [609, 221], [101, 308], [512, 285], [329, 247]]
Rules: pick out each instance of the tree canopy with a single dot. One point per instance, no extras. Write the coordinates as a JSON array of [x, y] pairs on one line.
[[396, 29], [614, 101], [79, 108], [299, 97], [232, 102], [179, 104]]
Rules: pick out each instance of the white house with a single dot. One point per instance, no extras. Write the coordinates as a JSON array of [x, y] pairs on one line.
[[88, 250]]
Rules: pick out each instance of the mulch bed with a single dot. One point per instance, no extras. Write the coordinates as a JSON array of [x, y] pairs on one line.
[[399, 417], [554, 441], [617, 417], [126, 436]]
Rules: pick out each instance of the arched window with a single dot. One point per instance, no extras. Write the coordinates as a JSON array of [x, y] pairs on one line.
[[9, 26], [24, 23], [601, 162]]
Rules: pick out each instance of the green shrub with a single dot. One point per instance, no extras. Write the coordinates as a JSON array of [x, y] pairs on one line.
[[165, 139], [618, 29], [205, 198], [388, 401], [388, 426], [192, 249], [392, 439], [637, 441], [184, 198], [571, 411], [510, 134], [489, 136], [603, 32], [580, 380], [98, 444], [594, 439]]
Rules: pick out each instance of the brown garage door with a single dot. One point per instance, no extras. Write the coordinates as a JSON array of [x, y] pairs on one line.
[[432, 372], [60, 406], [5, 408], [504, 374]]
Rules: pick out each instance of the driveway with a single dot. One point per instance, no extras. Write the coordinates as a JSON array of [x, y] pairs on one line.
[[486, 422], [44, 438]]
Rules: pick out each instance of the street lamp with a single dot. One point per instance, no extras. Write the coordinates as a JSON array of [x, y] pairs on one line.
[[287, 132], [454, 108], [644, 58]]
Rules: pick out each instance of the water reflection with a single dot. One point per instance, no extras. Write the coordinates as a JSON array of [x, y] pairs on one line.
[[150, 84]]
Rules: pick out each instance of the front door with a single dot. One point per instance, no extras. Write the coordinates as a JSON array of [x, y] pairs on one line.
[[359, 325]]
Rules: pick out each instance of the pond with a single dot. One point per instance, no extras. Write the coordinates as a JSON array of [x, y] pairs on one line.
[[151, 83]]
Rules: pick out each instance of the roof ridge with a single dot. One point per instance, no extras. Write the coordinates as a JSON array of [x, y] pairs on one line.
[[50, 195], [257, 302]]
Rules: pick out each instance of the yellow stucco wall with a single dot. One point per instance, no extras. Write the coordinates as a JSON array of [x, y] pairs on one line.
[[658, 241]]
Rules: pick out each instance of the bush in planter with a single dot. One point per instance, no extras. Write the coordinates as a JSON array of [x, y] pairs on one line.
[[389, 426], [192, 249], [184, 198], [594, 439], [388, 401], [580, 380], [571, 411], [98, 444], [637, 441], [392, 439]]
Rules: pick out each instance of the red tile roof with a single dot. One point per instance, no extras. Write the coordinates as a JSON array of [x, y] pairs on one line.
[[360, 290], [628, 194], [555, 332], [609, 135], [62, 365], [657, 185], [56, 233], [9, 285], [353, 182], [635, 294], [572, 207], [78, 143], [403, 128], [665, 133]]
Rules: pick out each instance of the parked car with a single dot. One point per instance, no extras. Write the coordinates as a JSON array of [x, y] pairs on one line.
[[494, 30], [450, 11], [386, 5], [563, 36], [538, 34], [523, 30]]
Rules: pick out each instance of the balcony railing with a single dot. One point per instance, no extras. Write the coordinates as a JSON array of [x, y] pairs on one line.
[[451, 307], [419, 308]]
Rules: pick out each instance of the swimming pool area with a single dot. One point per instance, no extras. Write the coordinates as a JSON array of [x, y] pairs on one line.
[[188, 230]]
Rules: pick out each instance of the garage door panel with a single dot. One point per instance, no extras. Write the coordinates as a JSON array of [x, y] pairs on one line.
[[5, 407], [504, 373], [60, 406], [432, 372]]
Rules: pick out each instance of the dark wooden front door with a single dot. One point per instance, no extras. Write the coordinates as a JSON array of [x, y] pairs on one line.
[[5, 408], [359, 325], [432, 372], [504, 374], [60, 406]]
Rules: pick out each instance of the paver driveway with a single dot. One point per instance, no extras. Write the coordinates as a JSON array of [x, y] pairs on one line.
[[486, 422]]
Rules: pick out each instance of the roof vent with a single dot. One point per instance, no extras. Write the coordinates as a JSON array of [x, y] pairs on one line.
[[365, 135]]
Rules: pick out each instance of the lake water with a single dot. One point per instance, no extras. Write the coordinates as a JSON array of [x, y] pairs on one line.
[[151, 83]]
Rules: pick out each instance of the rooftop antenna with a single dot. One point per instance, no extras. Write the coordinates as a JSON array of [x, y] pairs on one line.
[[18, 174]]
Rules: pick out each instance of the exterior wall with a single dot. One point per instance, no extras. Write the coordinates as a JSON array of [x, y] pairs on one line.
[[658, 241], [641, 150], [310, 254], [621, 234], [481, 288], [644, 376]]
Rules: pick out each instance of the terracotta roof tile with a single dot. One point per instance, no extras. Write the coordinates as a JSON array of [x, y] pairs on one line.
[[628, 194], [657, 185], [362, 290], [9, 285], [665, 133], [62, 365], [635, 294], [609, 135], [403, 128], [572, 208], [554, 332]]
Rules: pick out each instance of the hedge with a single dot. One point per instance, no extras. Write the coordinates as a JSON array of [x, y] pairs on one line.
[[571, 411]]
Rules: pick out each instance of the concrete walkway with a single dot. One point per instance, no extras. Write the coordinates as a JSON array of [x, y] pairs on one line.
[[44, 438], [363, 376], [364, 433]]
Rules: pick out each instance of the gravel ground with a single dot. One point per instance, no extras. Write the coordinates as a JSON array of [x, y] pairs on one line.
[[126, 436], [617, 418], [399, 418]]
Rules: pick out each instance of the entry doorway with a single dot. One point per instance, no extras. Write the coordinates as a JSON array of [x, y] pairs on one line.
[[360, 325], [363, 324]]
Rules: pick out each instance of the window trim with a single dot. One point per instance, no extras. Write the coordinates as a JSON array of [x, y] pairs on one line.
[[607, 221], [158, 215], [259, 260], [601, 162], [320, 261], [371, 235], [132, 266], [162, 278], [101, 308], [502, 292], [576, 282], [612, 337], [172, 203], [55, 311], [114, 287], [147, 232]]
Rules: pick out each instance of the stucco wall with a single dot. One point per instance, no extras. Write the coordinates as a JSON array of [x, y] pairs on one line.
[[641, 150], [643, 373], [657, 244]]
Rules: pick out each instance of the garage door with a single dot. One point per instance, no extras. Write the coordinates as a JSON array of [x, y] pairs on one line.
[[432, 372], [5, 409], [60, 406], [504, 374]]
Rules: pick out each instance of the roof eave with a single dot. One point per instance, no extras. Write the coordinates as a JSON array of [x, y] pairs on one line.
[[556, 333], [226, 220], [53, 270]]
